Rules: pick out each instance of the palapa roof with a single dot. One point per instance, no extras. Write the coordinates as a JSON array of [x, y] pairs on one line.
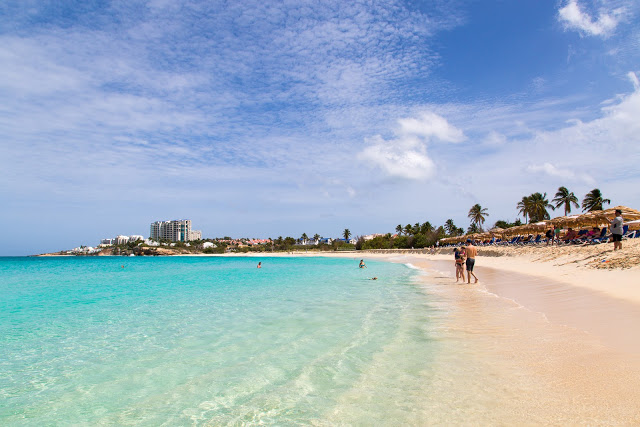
[[603, 215], [593, 218]]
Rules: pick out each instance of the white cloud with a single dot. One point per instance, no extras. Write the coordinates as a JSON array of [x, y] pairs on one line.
[[430, 125], [634, 80], [560, 172], [406, 156], [495, 139], [402, 158], [573, 17]]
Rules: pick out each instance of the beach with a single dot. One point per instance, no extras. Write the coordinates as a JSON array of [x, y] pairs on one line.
[[544, 338], [551, 332], [554, 334]]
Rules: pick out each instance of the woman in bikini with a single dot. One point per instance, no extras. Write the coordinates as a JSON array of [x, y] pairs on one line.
[[459, 256]]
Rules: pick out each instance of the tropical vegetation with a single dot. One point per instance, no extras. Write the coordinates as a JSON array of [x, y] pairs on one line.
[[478, 215], [565, 198], [594, 201]]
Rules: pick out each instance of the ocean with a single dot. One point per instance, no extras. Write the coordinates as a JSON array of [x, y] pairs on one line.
[[215, 341]]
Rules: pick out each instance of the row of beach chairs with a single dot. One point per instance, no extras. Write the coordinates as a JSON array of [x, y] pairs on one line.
[[580, 239]]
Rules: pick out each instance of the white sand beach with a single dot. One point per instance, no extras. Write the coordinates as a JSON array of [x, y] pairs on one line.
[[547, 336]]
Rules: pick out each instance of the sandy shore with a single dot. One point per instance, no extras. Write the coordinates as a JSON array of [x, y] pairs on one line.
[[552, 335]]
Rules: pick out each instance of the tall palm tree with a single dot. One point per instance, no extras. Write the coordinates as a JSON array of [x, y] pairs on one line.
[[566, 198], [304, 237], [426, 227], [478, 214], [538, 205], [593, 201], [524, 206], [450, 227], [346, 233], [408, 229], [316, 237], [399, 228]]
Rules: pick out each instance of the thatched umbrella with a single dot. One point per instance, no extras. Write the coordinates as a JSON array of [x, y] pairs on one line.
[[535, 227], [514, 231], [568, 221], [603, 217]]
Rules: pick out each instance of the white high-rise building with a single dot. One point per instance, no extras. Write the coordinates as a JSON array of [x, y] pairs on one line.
[[177, 230]]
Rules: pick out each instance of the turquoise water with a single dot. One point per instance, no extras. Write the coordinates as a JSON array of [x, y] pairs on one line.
[[212, 341]]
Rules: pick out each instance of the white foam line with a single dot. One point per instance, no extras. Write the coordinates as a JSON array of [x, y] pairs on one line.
[[514, 302], [408, 264]]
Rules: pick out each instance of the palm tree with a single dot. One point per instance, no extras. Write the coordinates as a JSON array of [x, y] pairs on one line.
[[524, 206], [473, 228], [426, 228], [450, 227], [593, 201], [538, 205], [399, 229], [316, 237], [478, 214], [408, 229], [346, 233], [566, 198], [304, 237]]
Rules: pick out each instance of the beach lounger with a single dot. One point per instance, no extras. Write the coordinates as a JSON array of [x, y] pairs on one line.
[[603, 238]]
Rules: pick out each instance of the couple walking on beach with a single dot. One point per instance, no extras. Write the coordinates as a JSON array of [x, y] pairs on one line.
[[465, 256]]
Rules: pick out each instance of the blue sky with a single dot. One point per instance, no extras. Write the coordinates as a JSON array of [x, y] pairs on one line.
[[267, 119]]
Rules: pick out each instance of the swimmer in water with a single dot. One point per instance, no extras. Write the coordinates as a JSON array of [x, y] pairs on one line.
[[259, 265], [362, 264]]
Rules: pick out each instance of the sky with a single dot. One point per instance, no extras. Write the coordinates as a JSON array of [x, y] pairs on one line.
[[266, 119]]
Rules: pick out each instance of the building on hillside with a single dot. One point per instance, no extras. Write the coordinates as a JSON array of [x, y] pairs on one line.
[[372, 236], [121, 240], [177, 230]]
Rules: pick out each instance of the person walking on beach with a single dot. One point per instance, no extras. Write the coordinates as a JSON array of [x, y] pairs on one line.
[[458, 254], [471, 252], [616, 230], [362, 264]]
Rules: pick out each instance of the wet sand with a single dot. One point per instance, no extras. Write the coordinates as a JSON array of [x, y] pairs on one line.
[[538, 351]]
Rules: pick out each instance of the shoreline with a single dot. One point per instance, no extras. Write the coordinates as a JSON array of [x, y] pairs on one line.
[[551, 352], [541, 339]]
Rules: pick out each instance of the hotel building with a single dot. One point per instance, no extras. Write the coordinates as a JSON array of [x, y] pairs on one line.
[[177, 230]]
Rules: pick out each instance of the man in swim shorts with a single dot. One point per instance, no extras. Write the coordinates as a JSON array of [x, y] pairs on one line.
[[471, 253]]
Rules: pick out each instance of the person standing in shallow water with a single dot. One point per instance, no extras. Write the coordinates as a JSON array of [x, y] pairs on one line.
[[259, 265], [471, 253], [458, 254], [362, 264]]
